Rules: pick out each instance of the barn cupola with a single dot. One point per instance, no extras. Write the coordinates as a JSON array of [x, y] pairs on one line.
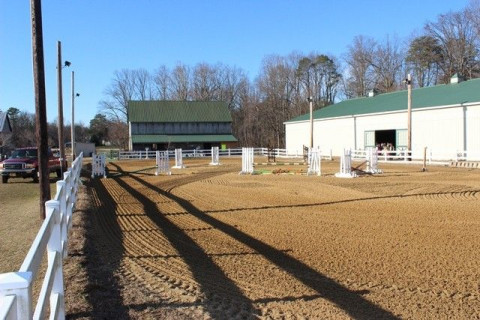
[[456, 79]]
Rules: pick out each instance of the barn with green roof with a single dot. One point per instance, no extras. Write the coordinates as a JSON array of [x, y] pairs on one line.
[[445, 118], [160, 125]]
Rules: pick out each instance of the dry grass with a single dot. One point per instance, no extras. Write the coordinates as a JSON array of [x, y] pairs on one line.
[[19, 210], [209, 243]]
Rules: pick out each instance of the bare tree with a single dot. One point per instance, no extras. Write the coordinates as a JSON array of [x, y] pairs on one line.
[[207, 83], [181, 80], [143, 84], [121, 90], [163, 83], [126, 85], [360, 73], [457, 36], [388, 63]]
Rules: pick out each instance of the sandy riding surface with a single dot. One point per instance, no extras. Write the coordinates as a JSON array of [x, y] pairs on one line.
[[208, 243]]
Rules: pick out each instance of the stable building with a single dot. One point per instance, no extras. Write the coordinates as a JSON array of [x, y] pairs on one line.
[[161, 125], [445, 119]]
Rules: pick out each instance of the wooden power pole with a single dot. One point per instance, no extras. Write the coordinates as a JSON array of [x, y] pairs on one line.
[[409, 113], [310, 100], [61, 144], [40, 103]]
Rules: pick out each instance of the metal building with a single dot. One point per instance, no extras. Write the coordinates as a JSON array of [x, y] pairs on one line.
[[445, 119]]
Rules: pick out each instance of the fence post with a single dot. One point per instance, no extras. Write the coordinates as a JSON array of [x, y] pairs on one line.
[[61, 185], [19, 285], [55, 246]]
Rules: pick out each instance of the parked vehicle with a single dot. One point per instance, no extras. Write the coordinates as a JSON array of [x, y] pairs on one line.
[[23, 162]]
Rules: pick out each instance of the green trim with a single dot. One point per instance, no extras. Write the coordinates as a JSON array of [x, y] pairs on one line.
[[152, 138]]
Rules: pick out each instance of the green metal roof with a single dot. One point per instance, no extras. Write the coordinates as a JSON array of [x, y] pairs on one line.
[[441, 95], [178, 111], [157, 138]]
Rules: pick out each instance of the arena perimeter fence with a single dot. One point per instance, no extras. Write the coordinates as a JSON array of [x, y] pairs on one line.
[[16, 300], [198, 153], [415, 156]]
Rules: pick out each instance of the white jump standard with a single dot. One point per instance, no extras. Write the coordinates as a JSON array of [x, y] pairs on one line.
[[215, 157], [372, 161], [346, 166], [247, 161], [314, 162], [178, 159], [163, 166], [98, 165]]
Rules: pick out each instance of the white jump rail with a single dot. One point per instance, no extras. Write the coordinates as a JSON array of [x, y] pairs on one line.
[[16, 300]]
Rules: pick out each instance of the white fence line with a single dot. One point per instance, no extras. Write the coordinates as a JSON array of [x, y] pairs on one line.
[[16, 300], [415, 156]]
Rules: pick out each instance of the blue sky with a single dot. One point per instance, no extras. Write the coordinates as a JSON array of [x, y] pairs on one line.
[[99, 37]]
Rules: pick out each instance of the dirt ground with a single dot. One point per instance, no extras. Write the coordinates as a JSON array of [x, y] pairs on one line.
[[208, 243]]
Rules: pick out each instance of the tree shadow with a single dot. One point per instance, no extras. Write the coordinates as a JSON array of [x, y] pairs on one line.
[[348, 300], [318, 204], [205, 271], [103, 255]]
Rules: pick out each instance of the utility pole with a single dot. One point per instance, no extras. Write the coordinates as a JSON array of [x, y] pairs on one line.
[[60, 107], [40, 103], [408, 81], [73, 117], [310, 100]]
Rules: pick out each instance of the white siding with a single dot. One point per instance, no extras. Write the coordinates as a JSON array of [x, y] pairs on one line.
[[297, 135], [473, 131], [448, 129]]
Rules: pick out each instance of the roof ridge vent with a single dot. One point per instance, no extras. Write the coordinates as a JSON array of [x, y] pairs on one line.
[[456, 79], [372, 93]]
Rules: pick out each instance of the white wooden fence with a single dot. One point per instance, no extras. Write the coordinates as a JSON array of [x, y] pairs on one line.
[[16, 300], [433, 156]]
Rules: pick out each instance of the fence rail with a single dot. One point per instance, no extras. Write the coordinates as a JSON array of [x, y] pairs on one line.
[[437, 156], [198, 153], [417, 156], [16, 300]]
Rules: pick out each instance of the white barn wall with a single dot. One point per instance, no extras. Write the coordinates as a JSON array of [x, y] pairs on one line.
[[334, 135], [442, 130], [297, 135], [473, 131]]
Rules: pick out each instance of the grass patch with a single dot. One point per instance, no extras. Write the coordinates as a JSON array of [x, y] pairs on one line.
[[19, 203]]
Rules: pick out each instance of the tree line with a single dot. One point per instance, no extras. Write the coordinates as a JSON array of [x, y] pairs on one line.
[[99, 131], [447, 46]]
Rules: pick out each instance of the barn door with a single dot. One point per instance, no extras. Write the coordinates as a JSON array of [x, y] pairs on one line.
[[369, 139], [402, 139]]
